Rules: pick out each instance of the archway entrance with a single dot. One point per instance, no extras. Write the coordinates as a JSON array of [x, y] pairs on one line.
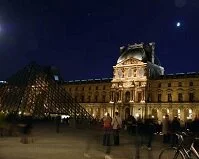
[[127, 112], [154, 113]]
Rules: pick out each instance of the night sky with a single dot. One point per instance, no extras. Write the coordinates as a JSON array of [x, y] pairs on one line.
[[82, 37]]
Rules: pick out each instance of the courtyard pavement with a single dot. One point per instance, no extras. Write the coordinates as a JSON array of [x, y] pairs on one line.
[[73, 143]]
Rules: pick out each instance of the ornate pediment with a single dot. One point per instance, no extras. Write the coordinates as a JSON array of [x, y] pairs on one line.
[[130, 61]]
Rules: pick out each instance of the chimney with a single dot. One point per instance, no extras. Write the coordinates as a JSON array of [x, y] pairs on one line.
[[152, 44]]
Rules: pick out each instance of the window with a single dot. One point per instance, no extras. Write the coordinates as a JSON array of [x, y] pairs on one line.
[[159, 85], [129, 72], [82, 99], [140, 83], [139, 97], [159, 97], [96, 98], [169, 84], [190, 83], [127, 96], [104, 98], [149, 97], [169, 97], [96, 88], [149, 85], [69, 89], [89, 88], [76, 88], [82, 88], [180, 98], [104, 87], [191, 97], [76, 99], [179, 84], [89, 98]]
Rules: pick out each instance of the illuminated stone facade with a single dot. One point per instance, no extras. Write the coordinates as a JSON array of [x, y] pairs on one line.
[[139, 87]]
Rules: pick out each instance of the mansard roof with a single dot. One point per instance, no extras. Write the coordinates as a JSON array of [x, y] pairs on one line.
[[142, 52], [178, 76]]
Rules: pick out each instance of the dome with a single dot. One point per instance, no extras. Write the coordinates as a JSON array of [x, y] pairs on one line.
[[141, 52]]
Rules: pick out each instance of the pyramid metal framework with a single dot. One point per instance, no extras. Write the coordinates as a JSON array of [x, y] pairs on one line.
[[34, 91]]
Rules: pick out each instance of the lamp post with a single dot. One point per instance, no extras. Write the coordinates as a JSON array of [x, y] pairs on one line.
[[114, 102]]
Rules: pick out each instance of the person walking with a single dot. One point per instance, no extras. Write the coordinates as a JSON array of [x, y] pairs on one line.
[[175, 127], [117, 125], [107, 129], [150, 130], [166, 129]]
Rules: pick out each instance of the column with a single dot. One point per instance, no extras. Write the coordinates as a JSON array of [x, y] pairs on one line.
[[112, 96], [159, 111], [132, 96], [120, 95], [182, 116]]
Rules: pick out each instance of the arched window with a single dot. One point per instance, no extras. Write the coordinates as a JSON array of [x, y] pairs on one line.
[[127, 96]]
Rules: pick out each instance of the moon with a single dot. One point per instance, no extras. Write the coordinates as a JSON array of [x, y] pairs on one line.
[[178, 24]]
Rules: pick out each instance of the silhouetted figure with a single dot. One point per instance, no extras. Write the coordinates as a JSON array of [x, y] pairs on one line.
[[175, 127], [26, 129], [117, 125], [195, 126], [166, 129], [141, 130], [58, 122], [150, 130]]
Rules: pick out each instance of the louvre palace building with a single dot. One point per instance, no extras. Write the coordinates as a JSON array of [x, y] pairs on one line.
[[139, 87]]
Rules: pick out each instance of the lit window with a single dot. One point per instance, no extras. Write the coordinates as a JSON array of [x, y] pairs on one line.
[[169, 98]]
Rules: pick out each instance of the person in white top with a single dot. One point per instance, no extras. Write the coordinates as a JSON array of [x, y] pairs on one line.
[[116, 125]]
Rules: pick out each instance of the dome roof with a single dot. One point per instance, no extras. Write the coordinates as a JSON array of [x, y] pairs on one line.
[[138, 51]]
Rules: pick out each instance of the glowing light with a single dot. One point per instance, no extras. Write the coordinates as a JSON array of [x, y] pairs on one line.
[[178, 24]]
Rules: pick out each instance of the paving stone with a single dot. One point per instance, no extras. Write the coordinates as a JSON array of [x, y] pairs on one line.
[[74, 144]]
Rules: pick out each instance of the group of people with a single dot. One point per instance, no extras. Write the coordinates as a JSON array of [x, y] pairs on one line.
[[144, 128], [171, 127]]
